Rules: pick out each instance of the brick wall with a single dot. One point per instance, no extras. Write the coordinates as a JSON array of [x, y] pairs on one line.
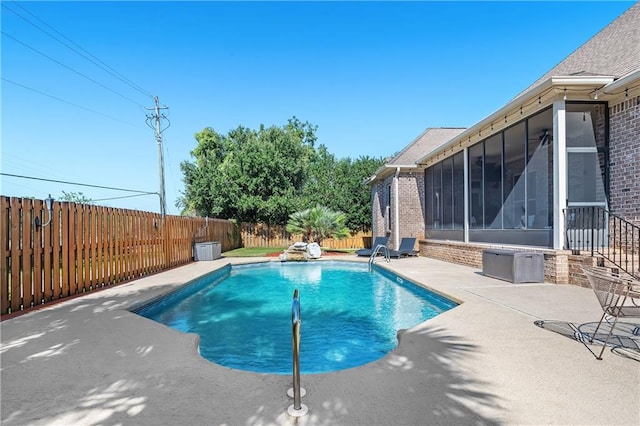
[[560, 267], [411, 200], [454, 252], [576, 276], [411, 207], [624, 150]]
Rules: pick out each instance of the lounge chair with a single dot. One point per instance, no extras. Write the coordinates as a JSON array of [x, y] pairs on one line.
[[618, 297], [405, 249], [377, 241]]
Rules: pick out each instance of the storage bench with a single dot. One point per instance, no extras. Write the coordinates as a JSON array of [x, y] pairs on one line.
[[210, 250], [513, 266]]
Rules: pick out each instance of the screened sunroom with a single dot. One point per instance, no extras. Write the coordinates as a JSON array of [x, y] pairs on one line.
[[509, 179]]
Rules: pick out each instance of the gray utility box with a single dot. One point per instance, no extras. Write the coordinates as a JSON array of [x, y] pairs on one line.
[[513, 266], [207, 251]]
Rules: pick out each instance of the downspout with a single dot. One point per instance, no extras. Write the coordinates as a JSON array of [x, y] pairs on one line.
[[396, 196]]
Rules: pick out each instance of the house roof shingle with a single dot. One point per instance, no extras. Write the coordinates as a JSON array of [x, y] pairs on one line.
[[429, 140], [614, 51]]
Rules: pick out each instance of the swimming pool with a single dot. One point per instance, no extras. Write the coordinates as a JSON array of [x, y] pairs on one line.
[[350, 315]]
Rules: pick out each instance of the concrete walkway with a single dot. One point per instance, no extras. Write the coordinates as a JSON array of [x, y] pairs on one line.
[[89, 361]]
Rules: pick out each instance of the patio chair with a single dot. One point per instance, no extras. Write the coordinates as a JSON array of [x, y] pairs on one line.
[[405, 249], [376, 242], [618, 296]]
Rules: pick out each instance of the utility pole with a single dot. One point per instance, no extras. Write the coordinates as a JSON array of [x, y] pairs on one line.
[[154, 121]]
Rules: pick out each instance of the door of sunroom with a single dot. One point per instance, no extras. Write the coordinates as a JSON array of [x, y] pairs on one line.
[[587, 217]]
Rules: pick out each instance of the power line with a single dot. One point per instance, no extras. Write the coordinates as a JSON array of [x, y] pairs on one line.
[[66, 102], [32, 166], [119, 198], [29, 189], [79, 184], [91, 58], [71, 69]]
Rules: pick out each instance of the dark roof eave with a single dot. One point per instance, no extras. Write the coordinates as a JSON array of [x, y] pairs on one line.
[[558, 81]]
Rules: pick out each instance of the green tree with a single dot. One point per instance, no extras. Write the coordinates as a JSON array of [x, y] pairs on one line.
[[249, 175], [318, 223], [75, 197], [354, 194], [321, 184], [340, 185], [264, 175]]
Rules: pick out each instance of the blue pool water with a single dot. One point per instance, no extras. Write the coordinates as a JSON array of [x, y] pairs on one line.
[[350, 315]]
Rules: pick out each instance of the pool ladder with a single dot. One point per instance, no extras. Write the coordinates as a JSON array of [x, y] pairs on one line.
[[375, 252], [297, 409]]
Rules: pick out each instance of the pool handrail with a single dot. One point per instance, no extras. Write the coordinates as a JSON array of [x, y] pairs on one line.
[[375, 252], [295, 325]]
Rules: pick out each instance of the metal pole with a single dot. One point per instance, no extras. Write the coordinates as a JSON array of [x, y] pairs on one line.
[[295, 325], [297, 409], [157, 118], [163, 202]]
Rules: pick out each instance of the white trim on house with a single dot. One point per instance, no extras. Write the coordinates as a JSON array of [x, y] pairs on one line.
[[622, 82], [402, 166], [388, 169], [580, 80], [559, 173]]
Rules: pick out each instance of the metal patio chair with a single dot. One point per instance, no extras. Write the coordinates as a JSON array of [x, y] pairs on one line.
[[618, 296]]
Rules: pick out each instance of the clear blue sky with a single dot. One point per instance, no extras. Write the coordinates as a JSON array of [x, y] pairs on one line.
[[371, 75]]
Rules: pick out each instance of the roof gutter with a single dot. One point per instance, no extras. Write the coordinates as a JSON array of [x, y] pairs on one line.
[[389, 168], [539, 91], [622, 82], [401, 166]]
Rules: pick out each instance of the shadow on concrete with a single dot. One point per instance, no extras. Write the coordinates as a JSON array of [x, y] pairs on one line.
[[421, 383], [68, 362], [90, 361], [625, 340], [67, 377]]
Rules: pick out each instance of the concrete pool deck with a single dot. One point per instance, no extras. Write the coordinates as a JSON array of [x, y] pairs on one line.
[[89, 361]]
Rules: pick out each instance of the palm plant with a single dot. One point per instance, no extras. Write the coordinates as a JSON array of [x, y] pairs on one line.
[[318, 223]]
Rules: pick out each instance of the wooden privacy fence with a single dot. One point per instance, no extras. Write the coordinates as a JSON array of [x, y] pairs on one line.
[[262, 235], [85, 247]]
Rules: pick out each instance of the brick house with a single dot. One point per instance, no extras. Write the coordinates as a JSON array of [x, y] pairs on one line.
[[516, 179], [397, 188]]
